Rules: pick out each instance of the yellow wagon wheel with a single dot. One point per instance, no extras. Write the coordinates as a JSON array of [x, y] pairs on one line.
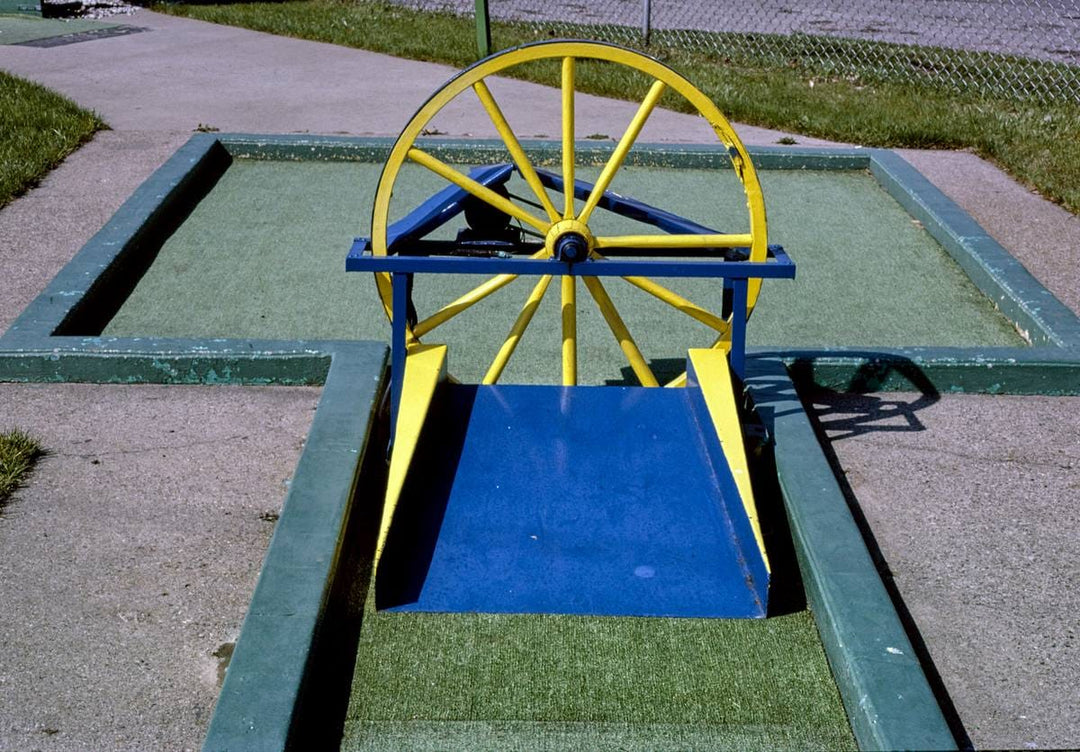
[[559, 224]]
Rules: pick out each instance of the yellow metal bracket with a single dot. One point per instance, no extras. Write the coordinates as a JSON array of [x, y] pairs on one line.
[[425, 367], [711, 373]]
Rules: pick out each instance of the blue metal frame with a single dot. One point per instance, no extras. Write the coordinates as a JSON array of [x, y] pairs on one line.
[[443, 206], [737, 355], [780, 266], [448, 203], [397, 342]]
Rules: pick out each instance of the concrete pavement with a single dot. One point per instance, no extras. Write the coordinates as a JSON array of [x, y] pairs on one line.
[[129, 560], [154, 88], [970, 502], [184, 73]]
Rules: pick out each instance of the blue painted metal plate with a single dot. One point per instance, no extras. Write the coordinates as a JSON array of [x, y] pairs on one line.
[[572, 500]]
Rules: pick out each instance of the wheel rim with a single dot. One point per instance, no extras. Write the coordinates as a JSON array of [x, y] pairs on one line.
[[554, 217]]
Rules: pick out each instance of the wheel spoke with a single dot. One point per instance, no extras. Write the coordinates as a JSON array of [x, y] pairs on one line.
[[483, 193], [568, 135], [622, 334], [569, 331], [678, 382], [512, 340], [619, 155], [536, 210], [674, 242], [514, 147], [680, 303], [467, 300]]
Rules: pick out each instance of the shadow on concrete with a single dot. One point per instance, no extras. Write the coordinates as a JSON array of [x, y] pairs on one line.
[[840, 415], [844, 416], [856, 411]]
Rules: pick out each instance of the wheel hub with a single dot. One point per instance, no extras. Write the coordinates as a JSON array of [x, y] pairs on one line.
[[569, 241]]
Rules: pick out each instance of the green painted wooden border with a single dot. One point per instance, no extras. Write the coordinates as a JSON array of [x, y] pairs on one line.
[[164, 367], [272, 669], [888, 699], [259, 704], [595, 153], [122, 249], [161, 361], [1001, 370], [1039, 316]]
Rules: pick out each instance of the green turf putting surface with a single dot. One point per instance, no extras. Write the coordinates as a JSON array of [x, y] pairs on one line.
[[16, 29], [262, 256], [480, 681]]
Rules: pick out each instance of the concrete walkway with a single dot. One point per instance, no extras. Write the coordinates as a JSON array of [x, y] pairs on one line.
[[970, 500], [129, 560], [154, 88]]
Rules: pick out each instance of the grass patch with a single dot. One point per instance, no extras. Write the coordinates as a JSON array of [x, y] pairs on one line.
[[1038, 144], [38, 128], [18, 452]]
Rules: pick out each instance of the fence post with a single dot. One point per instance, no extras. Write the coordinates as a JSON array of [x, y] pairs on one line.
[[483, 29], [646, 21]]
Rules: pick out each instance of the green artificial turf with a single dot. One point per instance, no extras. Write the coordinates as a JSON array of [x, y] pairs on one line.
[[263, 256], [431, 681]]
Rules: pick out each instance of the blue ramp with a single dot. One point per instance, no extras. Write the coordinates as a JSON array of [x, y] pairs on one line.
[[570, 500]]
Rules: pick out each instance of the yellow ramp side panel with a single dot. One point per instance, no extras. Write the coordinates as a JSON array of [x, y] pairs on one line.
[[425, 367], [709, 371]]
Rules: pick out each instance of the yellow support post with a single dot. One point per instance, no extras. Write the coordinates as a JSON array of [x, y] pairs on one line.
[[569, 331], [568, 135]]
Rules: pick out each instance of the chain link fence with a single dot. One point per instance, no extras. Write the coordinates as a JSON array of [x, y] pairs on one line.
[[1021, 49]]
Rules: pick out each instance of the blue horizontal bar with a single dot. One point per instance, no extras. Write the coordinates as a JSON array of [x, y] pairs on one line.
[[781, 267]]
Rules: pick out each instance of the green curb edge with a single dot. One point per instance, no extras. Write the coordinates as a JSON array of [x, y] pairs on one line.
[[48, 342], [270, 670], [888, 699]]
